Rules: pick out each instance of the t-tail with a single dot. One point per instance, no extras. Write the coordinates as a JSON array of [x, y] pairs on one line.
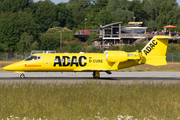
[[154, 53]]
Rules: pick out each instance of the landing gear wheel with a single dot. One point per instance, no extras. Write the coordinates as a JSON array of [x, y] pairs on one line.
[[96, 74], [22, 76], [93, 74]]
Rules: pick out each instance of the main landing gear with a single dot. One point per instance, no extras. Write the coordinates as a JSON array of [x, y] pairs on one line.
[[96, 74], [22, 76]]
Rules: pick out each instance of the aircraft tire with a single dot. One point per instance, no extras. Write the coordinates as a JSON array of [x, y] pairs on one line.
[[94, 74], [96, 77], [22, 76]]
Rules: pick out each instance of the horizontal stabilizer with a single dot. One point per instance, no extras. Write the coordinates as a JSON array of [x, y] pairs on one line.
[[157, 62]]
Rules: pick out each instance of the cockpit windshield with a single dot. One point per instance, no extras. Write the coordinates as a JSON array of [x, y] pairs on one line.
[[32, 57]]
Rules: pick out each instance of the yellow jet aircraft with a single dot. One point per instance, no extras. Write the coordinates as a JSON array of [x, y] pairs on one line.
[[154, 53]]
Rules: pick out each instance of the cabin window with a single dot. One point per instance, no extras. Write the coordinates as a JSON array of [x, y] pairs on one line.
[[33, 58]]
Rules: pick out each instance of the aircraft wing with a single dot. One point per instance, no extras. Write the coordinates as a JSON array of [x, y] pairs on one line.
[[113, 67], [88, 69]]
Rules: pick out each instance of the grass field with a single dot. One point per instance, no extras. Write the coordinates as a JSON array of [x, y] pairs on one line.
[[89, 101]]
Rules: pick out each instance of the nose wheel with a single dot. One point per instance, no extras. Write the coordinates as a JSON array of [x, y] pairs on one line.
[[22, 76]]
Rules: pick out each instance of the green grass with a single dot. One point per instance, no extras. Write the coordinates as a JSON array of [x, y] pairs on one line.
[[89, 101]]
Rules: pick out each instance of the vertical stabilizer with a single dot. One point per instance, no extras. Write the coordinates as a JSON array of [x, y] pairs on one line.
[[154, 53]]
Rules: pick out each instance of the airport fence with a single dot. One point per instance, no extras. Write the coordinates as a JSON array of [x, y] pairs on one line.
[[13, 56], [171, 57]]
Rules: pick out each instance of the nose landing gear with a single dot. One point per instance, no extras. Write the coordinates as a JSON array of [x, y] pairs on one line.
[[22, 76]]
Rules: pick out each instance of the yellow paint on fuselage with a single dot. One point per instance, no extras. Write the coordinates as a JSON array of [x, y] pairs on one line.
[[90, 61], [50, 63]]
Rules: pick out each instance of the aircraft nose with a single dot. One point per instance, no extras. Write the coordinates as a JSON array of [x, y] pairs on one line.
[[13, 67], [8, 67]]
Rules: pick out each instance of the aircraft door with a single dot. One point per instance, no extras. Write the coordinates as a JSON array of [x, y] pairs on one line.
[[46, 60]]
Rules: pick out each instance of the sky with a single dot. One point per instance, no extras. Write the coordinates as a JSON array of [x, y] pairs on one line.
[[58, 1]]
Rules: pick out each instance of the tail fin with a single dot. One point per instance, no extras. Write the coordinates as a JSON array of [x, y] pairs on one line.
[[154, 53]]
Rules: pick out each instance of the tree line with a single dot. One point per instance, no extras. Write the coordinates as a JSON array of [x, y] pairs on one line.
[[26, 25]]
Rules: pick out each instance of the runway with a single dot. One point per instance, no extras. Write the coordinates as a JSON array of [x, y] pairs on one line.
[[84, 77]]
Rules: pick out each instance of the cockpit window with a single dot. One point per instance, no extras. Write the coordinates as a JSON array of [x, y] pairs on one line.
[[30, 58]]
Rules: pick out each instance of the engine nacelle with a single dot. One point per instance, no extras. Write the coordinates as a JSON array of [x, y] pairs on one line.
[[114, 56]]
